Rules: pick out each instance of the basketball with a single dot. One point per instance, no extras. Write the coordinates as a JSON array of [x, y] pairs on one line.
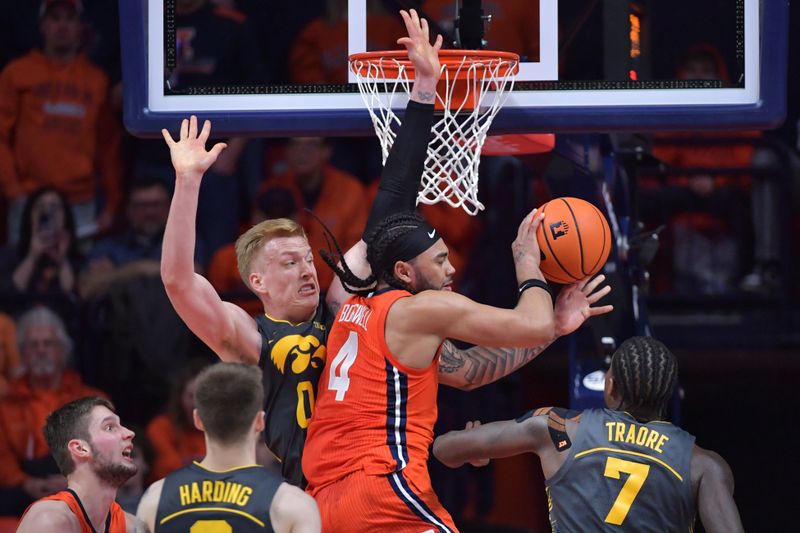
[[574, 239]]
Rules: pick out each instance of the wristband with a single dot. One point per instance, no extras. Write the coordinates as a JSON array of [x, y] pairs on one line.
[[528, 283]]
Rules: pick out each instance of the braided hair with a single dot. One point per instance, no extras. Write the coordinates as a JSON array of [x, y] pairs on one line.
[[379, 256], [645, 372]]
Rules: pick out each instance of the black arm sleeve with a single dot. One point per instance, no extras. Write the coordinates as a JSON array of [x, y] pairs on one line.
[[399, 184]]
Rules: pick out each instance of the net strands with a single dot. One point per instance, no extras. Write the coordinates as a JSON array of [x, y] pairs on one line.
[[475, 88]]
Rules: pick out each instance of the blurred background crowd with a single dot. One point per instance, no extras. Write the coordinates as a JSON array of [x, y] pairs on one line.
[[83, 206]]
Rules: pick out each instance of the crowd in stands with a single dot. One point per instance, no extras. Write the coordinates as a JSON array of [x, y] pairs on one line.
[[83, 206]]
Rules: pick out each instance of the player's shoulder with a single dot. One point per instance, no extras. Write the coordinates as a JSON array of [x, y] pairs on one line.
[[148, 505], [134, 525], [560, 415], [49, 515], [709, 465], [431, 300], [558, 424]]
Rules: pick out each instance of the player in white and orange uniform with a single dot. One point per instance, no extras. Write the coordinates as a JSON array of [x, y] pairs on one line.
[[366, 451]]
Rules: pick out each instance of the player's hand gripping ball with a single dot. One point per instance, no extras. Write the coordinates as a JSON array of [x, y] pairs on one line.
[[574, 239]]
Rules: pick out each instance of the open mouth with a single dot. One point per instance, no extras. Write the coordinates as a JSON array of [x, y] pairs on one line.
[[308, 288], [127, 453]]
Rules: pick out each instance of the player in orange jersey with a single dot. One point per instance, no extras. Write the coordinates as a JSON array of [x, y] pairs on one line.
[[93, 450], [367, 446]]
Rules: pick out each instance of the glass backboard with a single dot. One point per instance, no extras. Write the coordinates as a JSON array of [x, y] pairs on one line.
[[279, 68]]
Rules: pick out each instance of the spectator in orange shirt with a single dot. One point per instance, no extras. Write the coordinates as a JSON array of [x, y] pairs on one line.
[[514, 26], [708, 215], [336, 197], [9, 355], [27, 470], [174, 439], [319, 53], [53, 101]]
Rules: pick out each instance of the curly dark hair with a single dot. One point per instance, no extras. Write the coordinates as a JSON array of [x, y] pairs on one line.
[[645, 372], [379, 244]]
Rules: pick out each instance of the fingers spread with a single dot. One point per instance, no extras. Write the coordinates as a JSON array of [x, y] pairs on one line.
[[218, 148], [167, 137], [595, 296], [438, 44], [595, 311], [592, 285], [192, 127], [206, 131], [184, 129]]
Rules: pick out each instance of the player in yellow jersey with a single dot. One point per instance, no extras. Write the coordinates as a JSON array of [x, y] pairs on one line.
[[227, 491], [622, 468]]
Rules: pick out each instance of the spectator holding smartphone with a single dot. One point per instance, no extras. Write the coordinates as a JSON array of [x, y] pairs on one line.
[[42, 267]]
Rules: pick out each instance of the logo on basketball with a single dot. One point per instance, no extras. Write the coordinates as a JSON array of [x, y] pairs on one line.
[[300, 351], [574, 240], [559, 229]]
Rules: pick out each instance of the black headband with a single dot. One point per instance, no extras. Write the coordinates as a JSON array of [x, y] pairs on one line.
[[411, 244]]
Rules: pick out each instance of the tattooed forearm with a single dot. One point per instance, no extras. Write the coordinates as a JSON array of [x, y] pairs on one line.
[[471, 368], [426, 97]]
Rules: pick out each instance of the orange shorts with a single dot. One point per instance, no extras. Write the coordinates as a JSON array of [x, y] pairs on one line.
[[394, 502]]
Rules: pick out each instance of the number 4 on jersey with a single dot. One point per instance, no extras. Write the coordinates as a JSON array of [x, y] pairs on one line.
[[338, 379]]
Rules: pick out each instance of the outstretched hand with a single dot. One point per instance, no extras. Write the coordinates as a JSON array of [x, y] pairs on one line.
[[423, 55], [574, 304], [189, 155]]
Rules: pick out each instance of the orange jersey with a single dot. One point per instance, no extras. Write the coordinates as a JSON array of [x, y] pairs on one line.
[[115, 523], [373, 413]]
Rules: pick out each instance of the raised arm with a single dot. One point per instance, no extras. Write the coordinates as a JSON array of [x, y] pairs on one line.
[[294, 511], [713, 482], [397, 191], [224, 327], [473, 367]]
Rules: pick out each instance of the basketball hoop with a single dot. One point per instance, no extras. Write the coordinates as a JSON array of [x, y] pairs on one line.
[[473, 87]]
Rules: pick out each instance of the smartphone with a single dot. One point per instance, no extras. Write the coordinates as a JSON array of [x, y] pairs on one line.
[[47, 222]]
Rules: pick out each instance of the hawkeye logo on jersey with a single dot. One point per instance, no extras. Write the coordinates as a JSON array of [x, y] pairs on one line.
[[299, 351]]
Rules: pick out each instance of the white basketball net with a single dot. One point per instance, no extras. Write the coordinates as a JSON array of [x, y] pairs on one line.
[[451, 166]]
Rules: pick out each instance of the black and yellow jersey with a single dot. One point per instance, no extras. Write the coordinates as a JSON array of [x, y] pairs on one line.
[[197, 499], [292, 359], [624, 475]]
